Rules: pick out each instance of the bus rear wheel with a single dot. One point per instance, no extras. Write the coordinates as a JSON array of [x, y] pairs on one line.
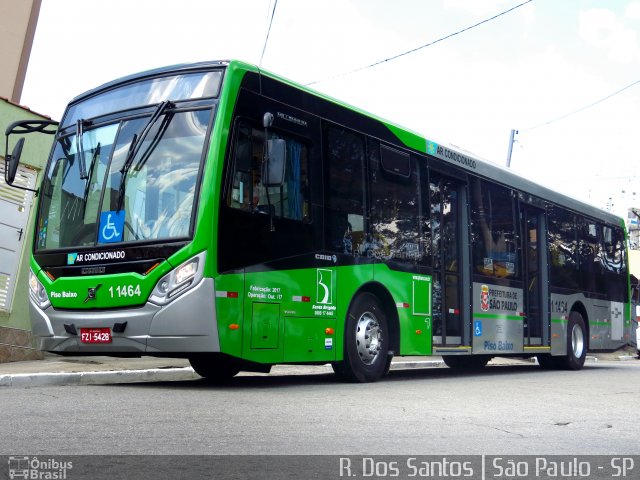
[[577, 345], [577, 342], [366, 343], [466, 362], [214, 367]]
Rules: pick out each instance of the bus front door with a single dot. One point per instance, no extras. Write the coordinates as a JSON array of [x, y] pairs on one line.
[[449, 260], [534, 254]]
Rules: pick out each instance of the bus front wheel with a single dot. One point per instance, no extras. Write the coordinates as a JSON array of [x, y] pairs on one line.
[[214, 367], [366, 343]]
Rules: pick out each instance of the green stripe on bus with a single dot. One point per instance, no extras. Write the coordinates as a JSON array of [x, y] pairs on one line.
[[498, 316]]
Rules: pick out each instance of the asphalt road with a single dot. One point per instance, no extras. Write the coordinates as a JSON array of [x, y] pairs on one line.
[[501, 410]]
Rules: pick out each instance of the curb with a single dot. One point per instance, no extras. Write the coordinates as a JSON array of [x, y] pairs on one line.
[[137, 376], [97, 378], [416, 364], [169, 374]]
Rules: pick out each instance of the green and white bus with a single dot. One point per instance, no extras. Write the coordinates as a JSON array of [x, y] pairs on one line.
[[220, 213]]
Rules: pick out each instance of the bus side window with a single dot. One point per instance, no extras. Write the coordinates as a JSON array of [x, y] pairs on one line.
[[563, 249], [344, 217], [247, 192], [395, 207], [614, 262], [495, 250], [588, 246], [613, 255], [248, 149]]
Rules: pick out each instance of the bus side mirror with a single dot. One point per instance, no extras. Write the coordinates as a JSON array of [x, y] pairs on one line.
[[12, 161], [274, 164]]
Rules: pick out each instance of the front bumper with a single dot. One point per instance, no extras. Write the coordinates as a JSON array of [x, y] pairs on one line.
[[186, 325]]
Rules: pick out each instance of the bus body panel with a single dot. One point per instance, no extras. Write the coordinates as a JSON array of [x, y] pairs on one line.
[[498, 319], [296, 315], [412, 299], [188, 324]]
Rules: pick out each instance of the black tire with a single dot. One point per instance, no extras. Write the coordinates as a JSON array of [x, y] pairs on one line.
[[466, 362], [387, 367], [577, 344], [338, 369], [547, 362], [214, 368], [366, 341]]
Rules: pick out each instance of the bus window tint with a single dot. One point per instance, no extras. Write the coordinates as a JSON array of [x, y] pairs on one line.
[[563, 249], [244, 193], [588, 253], [345, 191], [613, 256], [70, 204], [395, 213], [248, 193], [161, 183], [495, 249]]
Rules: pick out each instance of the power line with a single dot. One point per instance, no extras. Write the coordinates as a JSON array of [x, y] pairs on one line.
[[422, 46], [264, 47], [583, 108]]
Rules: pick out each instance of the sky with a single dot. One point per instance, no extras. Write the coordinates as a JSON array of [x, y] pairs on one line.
[[527, 70]]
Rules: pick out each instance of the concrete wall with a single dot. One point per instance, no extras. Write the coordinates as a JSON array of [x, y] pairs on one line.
[[18, 20], [15, 326]]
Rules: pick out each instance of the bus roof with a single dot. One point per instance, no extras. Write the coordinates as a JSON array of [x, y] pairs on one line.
[[447, 153]]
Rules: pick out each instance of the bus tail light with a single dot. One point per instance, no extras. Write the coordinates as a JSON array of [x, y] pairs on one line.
[[37, 292], [178, 281]]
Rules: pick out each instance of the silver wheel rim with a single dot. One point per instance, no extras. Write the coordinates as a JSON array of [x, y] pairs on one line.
[[368, 338], [577, 341]]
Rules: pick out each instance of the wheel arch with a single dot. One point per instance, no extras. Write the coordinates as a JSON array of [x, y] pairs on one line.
[[388, 305], [579, 307]]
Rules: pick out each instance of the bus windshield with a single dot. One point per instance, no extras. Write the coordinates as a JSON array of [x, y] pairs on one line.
[[131, 180]]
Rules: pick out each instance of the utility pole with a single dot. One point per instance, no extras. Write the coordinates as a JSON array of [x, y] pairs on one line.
[[511, 141]]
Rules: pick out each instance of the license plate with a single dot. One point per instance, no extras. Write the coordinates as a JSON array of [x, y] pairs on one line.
[[95, 335]]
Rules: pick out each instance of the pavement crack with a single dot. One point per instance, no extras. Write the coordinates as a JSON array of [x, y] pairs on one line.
[[562, 424], [48, 395], [509, 432]]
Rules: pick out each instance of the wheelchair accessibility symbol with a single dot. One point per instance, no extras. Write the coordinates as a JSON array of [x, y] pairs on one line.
[[477, 328], [111, 226]]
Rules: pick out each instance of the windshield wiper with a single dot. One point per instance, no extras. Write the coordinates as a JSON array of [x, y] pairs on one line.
[[136, 144], [95, 156], [137, 141], [154, 143], [80, 149]]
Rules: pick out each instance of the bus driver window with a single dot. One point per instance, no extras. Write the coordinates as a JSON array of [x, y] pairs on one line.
[[289, 200]]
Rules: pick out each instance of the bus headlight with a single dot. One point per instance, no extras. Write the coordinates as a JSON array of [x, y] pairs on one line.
[[37, 292], [178, 280]]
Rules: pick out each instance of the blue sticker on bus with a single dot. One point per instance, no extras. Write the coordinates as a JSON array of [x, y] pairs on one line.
[[111, 226], [477, 328], [432, 147]]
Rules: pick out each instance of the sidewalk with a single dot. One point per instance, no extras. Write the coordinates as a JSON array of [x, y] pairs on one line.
[[57, 370]]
